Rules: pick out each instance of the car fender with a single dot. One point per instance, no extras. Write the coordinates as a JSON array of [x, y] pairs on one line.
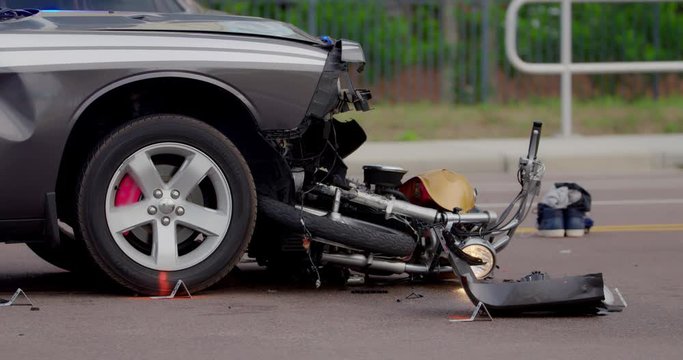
[[158, 75]]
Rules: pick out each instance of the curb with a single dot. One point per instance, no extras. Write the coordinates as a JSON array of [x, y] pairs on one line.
[[574, 154]]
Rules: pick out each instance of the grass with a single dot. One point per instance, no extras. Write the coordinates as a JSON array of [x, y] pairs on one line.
[[602, 116]]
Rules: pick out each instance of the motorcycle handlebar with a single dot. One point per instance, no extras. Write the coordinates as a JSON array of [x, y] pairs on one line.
[[534, 140], [393, 206]]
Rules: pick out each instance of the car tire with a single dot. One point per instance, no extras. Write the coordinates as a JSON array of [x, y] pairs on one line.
[[176, 163]]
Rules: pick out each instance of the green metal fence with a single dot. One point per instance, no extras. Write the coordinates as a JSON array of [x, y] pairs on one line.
[[453, 50]]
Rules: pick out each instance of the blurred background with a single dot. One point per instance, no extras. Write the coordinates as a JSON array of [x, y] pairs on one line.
[[438, 70], [442, 63]]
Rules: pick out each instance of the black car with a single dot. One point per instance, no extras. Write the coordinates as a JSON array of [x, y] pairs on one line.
[[140, 140], [160, 6]]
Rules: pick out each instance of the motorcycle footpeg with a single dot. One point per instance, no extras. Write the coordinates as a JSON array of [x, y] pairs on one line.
[[535, 293]]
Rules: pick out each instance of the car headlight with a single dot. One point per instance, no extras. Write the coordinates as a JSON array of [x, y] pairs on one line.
[[479, 248]]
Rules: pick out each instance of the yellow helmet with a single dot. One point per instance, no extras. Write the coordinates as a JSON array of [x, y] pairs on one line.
[[443, 188]]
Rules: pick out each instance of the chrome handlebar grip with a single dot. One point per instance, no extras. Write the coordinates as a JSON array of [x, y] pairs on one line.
[[534, 140], [473, 218]]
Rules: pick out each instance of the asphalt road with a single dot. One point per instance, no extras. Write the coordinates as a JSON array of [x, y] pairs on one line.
[[637, 244]]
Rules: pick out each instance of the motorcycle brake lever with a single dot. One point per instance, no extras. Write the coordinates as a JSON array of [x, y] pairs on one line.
[[449, 242]]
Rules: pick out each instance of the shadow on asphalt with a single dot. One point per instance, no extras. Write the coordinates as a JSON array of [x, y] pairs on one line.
[[58, 282], [255, 279], [246, 277], [68, 282]]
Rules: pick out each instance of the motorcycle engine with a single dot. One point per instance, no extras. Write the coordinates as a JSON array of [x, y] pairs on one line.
[[384, 180]]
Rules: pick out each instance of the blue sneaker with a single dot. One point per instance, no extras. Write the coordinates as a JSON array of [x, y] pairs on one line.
[[574, 222], [588, 222], [550, 221]]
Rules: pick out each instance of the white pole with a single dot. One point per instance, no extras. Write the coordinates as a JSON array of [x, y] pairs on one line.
[[566, 58], [566, 68]]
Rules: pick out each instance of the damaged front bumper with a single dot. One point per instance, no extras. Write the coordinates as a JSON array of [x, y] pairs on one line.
[[585, 294]]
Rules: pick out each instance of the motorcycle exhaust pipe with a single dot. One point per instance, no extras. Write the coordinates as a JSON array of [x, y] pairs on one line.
[[362, 261]]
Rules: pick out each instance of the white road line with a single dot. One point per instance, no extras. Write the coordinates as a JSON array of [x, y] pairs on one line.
[[639, 202], [620, 228], [605, 203]]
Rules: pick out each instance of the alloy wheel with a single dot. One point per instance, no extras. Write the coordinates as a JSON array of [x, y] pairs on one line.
[[178, 210]]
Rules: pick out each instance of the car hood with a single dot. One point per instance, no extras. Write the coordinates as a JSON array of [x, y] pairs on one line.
[[129, 21]]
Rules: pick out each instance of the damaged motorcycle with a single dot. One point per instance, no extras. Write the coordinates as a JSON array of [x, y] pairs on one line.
[[425, 226]]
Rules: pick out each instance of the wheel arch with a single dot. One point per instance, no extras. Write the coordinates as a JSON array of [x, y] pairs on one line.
[[204, 98], [78, 114]]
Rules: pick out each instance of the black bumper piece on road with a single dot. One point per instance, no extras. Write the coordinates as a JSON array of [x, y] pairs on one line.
[[567, 295]]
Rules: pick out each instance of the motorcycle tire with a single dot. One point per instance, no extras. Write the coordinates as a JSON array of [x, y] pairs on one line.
[[360, 235]]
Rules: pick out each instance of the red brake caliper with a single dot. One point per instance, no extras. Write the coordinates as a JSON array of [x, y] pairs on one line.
[[128, 193]]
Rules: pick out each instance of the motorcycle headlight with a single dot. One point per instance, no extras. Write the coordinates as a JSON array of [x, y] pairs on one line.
[[479, 248]]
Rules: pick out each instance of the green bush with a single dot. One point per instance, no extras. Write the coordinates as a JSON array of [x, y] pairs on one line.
[[403, 34]]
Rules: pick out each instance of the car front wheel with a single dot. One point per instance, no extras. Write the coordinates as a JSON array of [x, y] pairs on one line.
[[166, 198]]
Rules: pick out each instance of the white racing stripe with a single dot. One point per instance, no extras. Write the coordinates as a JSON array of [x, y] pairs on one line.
[[89, 58], [150, 42], [21, 51]]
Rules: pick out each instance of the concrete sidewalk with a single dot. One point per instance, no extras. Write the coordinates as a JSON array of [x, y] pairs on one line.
[[574, 154]]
